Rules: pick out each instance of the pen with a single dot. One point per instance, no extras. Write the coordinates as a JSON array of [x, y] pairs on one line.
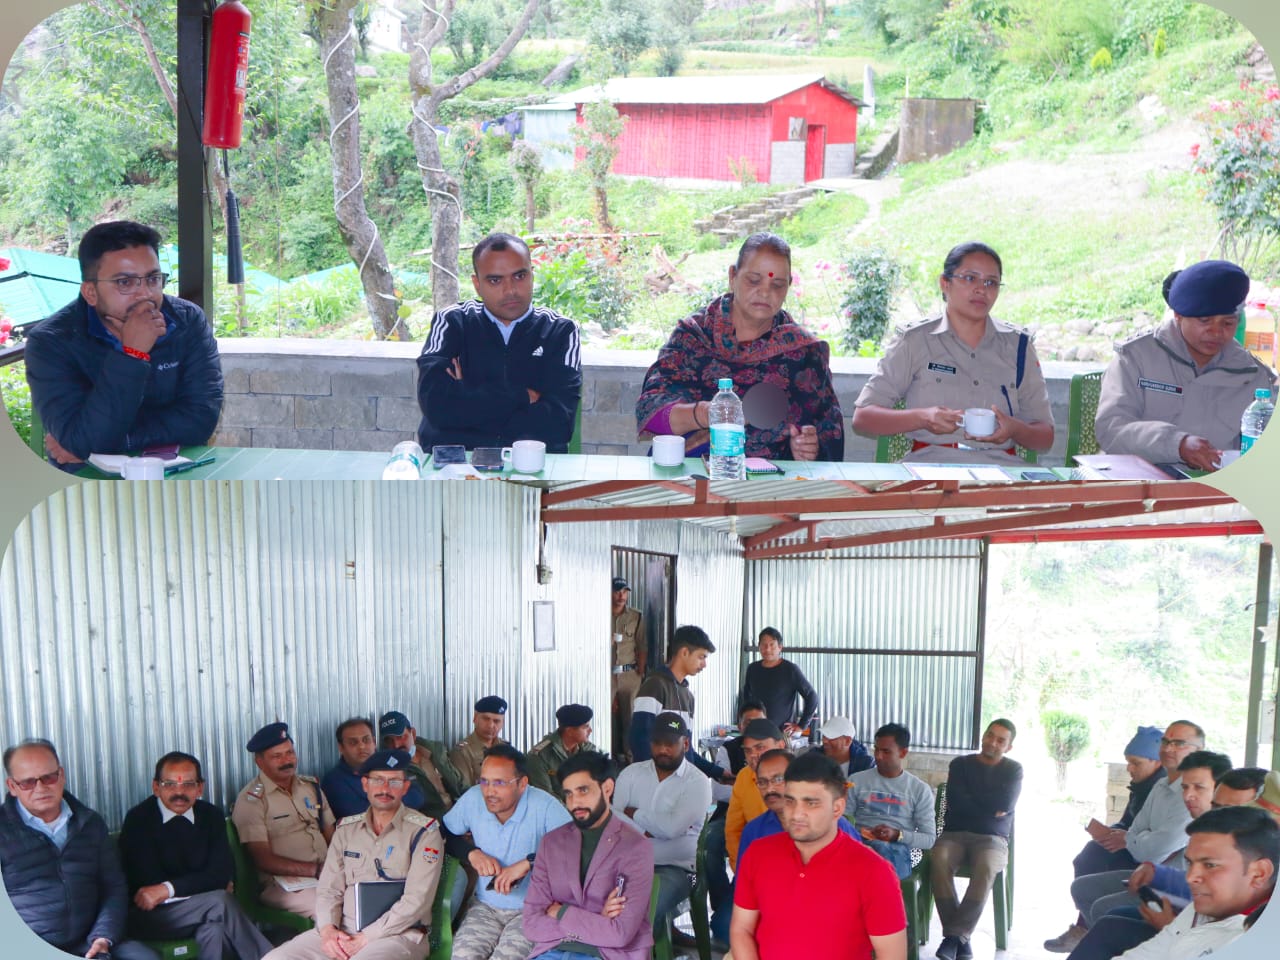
[[184, 467], [1005, 391]]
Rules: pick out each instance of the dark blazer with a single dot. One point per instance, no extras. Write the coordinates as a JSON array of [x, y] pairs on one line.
[[195, 858], [69, 897]]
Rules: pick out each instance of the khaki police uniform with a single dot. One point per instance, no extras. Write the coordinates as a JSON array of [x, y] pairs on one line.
[[467, 755], [544, 759], [1153, 396], [435, 776], [290, 821], [626, 674], [408, 849], [927, 364]]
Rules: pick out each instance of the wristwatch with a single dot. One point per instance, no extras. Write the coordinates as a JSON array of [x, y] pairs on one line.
[[530, 858]]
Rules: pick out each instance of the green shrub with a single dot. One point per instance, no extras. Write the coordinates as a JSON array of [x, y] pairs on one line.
[[873, 278], [583, 281], [1100, 60], [1067, 736], [17, 398]]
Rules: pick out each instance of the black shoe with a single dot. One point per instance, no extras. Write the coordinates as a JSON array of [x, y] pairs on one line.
[[964, 951], [949, 949]]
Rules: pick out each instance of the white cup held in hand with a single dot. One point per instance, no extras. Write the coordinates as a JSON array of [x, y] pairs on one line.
[[979, 422], [528, 456], [143, 468], [668, 450]]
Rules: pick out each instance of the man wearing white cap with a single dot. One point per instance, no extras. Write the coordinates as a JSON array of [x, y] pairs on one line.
[[1177, 393], [839, 742]]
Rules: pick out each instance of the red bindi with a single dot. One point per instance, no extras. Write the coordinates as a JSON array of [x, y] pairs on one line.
[[771, 273]]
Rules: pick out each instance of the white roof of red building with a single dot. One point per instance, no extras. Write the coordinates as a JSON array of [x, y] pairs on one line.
[[744, 88]]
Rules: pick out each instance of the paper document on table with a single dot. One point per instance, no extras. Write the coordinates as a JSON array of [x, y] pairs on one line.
[[114, 462], [937, 471], [990, 474], [294, 884]]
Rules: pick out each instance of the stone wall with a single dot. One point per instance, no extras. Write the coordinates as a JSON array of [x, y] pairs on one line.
[[357, 395], [838, 160], [786, 161]]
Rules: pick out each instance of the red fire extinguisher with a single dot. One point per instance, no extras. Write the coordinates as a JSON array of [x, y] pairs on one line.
[[228, 73]]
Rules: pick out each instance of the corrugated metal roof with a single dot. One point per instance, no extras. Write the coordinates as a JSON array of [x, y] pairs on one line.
[[742, 88], [50, 282]]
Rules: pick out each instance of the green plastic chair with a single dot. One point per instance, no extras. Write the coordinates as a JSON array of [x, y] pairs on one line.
[[575, 442], [36, 439], [441, 936], [913, 886], [246, 884], [700, 898], [1082, 409], [168, 949], [1001, 888], [663, 948]]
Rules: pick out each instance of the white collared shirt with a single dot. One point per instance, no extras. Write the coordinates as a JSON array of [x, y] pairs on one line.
[[166, 814], [671, 811], [506, 328], [55, 831]]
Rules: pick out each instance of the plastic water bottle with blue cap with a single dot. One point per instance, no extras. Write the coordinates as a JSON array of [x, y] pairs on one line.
[[405, 463], [728, 459], [1255, 419]]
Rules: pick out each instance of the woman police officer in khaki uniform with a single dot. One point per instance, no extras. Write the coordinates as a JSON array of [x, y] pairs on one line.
[[1177, 393], [959, 359]]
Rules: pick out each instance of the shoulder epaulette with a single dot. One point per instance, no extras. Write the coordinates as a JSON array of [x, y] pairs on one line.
[[418, 819], [354, 818]]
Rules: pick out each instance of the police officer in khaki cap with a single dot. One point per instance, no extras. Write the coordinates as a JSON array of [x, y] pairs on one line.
[[1177, 393], [629, 661], [386, 842], [284, 822], [467, 755]]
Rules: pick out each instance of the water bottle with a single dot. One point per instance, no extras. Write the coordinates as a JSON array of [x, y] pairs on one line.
[[815, 731], [728, 434], [1255, 419], [405, 463]]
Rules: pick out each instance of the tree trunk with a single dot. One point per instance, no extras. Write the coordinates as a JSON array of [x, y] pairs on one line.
[[442, 188], [359, 232], [602, 209], [530, 207], [1062, 775]]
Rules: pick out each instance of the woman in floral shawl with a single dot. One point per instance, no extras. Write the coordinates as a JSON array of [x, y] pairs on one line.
[[746, 335]]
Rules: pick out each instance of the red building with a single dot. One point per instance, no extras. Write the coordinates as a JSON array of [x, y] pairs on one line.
[[787, 129]]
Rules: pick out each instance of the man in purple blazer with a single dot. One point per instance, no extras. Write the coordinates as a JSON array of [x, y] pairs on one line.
[[591, 879]]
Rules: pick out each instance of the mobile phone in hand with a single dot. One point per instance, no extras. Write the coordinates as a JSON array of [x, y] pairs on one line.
[[1148, 895], [621, 885]]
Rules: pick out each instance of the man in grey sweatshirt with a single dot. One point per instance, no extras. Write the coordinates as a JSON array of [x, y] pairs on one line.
[[893, 809]]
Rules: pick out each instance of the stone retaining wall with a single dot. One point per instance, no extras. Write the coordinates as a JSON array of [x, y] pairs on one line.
[[357, 395]]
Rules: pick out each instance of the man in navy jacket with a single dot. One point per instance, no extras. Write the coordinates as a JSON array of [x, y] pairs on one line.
[[123, 368], [60, 868], [499, 369]]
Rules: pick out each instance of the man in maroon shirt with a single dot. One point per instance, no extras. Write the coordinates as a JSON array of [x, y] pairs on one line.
[[847, 893]]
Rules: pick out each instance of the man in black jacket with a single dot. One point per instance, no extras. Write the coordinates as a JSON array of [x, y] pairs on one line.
[[123, 368], [60, 868], [178, 863], [499, 369]]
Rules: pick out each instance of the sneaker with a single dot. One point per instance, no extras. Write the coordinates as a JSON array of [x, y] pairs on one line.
[[1068, 941], [948, 949], [964, 951]]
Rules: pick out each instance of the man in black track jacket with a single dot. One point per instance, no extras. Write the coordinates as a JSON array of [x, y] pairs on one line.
[[499, 369]]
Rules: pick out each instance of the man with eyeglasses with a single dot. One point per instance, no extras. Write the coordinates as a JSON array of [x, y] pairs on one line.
[[1176, 394], [178, 864], [387, 843], [123, 368], [1156, 833], [342, 785], [496, 827], [571, 736], [61, 870]]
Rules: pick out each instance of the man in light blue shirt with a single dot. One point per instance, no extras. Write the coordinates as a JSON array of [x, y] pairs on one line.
[[893, 809], [506, 821]]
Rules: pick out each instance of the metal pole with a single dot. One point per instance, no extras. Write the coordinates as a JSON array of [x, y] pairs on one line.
[[1259, 673], [984, 555], [195, 225]]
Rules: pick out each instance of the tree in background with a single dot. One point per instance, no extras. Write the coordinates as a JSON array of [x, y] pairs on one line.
[[597, 137], [526, 161], [338, 41], [675, 20], [623, 28], [1067, 736], [442, 186]]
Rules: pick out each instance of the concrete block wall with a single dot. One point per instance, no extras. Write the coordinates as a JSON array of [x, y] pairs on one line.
[[1117, 792], [786, 161], [358, 395], [931, 766], [838, 160]]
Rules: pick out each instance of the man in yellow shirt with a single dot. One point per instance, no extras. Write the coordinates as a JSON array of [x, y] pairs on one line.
[[746, 804]]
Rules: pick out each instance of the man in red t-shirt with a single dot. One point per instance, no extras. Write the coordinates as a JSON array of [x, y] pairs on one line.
[[813, 892]]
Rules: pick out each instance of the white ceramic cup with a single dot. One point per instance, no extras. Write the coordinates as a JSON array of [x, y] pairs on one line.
[[979, 422], [143, 468], [526, 456], [668, 450]]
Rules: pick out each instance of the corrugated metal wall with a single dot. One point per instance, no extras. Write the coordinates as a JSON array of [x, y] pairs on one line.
[[141, 618], [921, 597]]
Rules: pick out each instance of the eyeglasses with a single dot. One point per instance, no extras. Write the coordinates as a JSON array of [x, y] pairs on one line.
[[45, 780], [395, 783], [129, 283], [970, 279], [482, 782], [777, 781], [1166, 742], [170, 784]]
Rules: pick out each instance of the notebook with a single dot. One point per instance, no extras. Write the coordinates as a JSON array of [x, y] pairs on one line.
[[374, 898]]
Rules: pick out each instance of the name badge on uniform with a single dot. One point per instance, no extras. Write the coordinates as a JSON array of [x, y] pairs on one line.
[[942, 368], [354, 854], [1159, 386]]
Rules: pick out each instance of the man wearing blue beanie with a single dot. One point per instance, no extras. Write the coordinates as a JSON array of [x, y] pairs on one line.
[[1176, 394]]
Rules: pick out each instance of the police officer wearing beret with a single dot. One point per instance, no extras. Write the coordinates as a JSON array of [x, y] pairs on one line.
[[386, 842], [467, 755], [572, 735], [1177, 394], [284, 822], [629, 661], [431, 770]]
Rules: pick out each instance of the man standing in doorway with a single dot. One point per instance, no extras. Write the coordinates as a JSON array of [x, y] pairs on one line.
[[630, 657], [777, 683]]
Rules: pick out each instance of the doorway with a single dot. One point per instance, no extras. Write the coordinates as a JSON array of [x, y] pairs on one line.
[[815, 151], [652, 578]]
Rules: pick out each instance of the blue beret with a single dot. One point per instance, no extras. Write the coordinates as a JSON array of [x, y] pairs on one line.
[[1145, 743], [491, 704], [1211, 288], [393, 723], [269, 736], [394, 760], [574, 715]]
